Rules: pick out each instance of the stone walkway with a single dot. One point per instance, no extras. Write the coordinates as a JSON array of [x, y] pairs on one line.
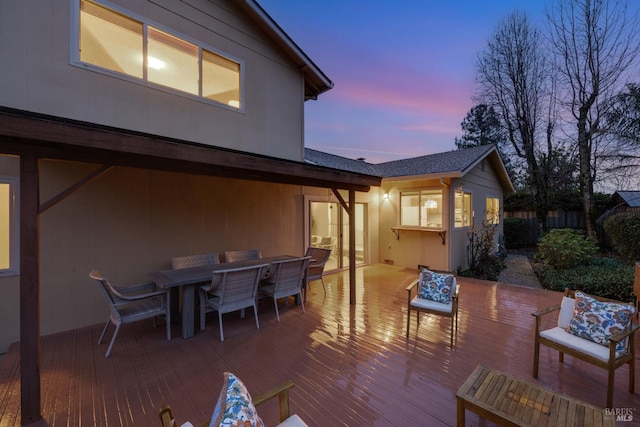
[[519, 272]]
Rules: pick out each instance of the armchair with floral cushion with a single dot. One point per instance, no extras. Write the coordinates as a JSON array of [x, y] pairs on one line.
[[592, 329], [436, 294], [235, 407]]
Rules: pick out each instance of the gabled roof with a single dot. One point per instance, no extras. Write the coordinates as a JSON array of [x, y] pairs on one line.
[[315, 81], [320, 158], [451, 164], [631, 198]]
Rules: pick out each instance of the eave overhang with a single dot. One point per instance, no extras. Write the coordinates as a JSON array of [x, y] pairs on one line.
[[57, 138]]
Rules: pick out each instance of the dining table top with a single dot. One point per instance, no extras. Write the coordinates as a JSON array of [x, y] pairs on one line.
[[193, 275]]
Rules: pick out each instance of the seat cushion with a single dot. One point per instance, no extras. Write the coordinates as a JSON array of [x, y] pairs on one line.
[[293, 421], [428, 304], [234, 406], [435, 286], [599, 321], [560, 336]]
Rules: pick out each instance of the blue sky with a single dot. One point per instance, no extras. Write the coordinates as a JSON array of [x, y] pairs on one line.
[[403, 70]]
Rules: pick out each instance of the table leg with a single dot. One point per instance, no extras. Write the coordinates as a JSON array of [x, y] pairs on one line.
[[188, 310], [460, 411]]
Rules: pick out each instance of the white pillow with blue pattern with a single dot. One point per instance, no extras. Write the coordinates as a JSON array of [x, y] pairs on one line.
[[598, 321], [436, 287], [234, 406]]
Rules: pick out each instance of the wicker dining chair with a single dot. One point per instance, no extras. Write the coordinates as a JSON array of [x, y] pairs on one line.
[[194, 260], [232, 256], [319, 258], [285, 279], [133, 303], [231, 290]]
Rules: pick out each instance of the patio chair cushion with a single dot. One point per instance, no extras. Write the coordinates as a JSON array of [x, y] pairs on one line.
[[599, 321], [435, 286], [561, 336], [431, 305], [566, 311], [234, 406]]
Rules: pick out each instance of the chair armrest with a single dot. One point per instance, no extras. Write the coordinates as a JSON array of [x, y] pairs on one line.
[[547, 310], [632, 329], [133, 292], [282, 391], [410, 289]]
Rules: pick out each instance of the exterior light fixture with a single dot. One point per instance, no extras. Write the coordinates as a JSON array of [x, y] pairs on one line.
[[385, 196]]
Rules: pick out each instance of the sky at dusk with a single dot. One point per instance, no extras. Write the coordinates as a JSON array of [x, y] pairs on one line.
[[404, 71]]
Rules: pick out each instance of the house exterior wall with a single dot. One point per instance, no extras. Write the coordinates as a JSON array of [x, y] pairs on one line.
[[409, 248], [130, 222], [481, 182], [37, 76]]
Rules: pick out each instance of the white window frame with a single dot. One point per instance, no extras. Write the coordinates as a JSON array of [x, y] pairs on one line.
[[492, 215], [470, 213], [14, 228], [75, 55], [420, 219]]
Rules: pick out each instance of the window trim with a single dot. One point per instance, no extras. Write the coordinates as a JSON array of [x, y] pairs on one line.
[[74, 55], [14, 227], [488, 219], [420, 227], [471, 219]]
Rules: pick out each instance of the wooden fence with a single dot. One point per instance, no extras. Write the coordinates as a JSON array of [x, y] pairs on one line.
[[566, 219]]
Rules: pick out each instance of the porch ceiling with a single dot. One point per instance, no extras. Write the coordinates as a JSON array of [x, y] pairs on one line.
[[57, 138]]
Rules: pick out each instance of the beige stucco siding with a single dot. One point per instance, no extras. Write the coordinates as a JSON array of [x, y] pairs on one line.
[[38, 77], [129, 222]]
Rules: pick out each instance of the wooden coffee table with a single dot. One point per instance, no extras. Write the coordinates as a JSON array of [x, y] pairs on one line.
[[509, 401]]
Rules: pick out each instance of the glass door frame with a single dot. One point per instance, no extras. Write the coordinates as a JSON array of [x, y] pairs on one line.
[[342, 262]]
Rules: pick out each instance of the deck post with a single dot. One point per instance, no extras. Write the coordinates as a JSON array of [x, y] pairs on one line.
[[29, 289], [352, 247]]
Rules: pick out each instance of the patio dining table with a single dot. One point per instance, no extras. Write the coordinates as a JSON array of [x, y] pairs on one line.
[[189, 278]]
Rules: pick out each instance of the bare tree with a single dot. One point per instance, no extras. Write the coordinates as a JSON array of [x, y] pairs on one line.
[[595, 42], [511, 75]]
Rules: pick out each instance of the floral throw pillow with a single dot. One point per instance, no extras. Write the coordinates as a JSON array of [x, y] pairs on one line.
[[234, 407], [599, 321], [435, 286]]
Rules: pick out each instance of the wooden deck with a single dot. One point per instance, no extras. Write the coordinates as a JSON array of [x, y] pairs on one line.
[[352, 365]]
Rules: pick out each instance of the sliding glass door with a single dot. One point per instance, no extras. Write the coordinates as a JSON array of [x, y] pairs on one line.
[[328, 227]]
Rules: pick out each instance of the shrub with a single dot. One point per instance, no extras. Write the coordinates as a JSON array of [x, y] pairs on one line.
[[484, 261], [516, 233], [624, 230], [605, 277], [564, 248]]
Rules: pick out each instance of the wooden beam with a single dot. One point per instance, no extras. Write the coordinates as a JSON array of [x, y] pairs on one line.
[[352, 247], [29, 290], [73, 188]]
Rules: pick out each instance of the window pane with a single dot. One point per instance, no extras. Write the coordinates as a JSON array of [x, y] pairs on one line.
[[220, 79], [493, 210], [172, 62], [431, 204], [409, 209], [462, 209], [5, 226], [110, 40]]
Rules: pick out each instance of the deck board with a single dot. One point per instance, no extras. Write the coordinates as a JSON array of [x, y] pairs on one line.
[[351, 365]]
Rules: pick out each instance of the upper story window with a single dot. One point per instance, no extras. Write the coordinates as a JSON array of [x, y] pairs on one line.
[[9, 265], [463, 212], [493, 210], [110, 40], [421, 208]]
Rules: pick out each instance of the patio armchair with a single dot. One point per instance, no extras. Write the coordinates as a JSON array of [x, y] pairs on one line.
[[232, 256], [319, 258], [593, 329], [281, 391], [130, 304], [231, 290], [194, 260], [286, 279], [437, 294]]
